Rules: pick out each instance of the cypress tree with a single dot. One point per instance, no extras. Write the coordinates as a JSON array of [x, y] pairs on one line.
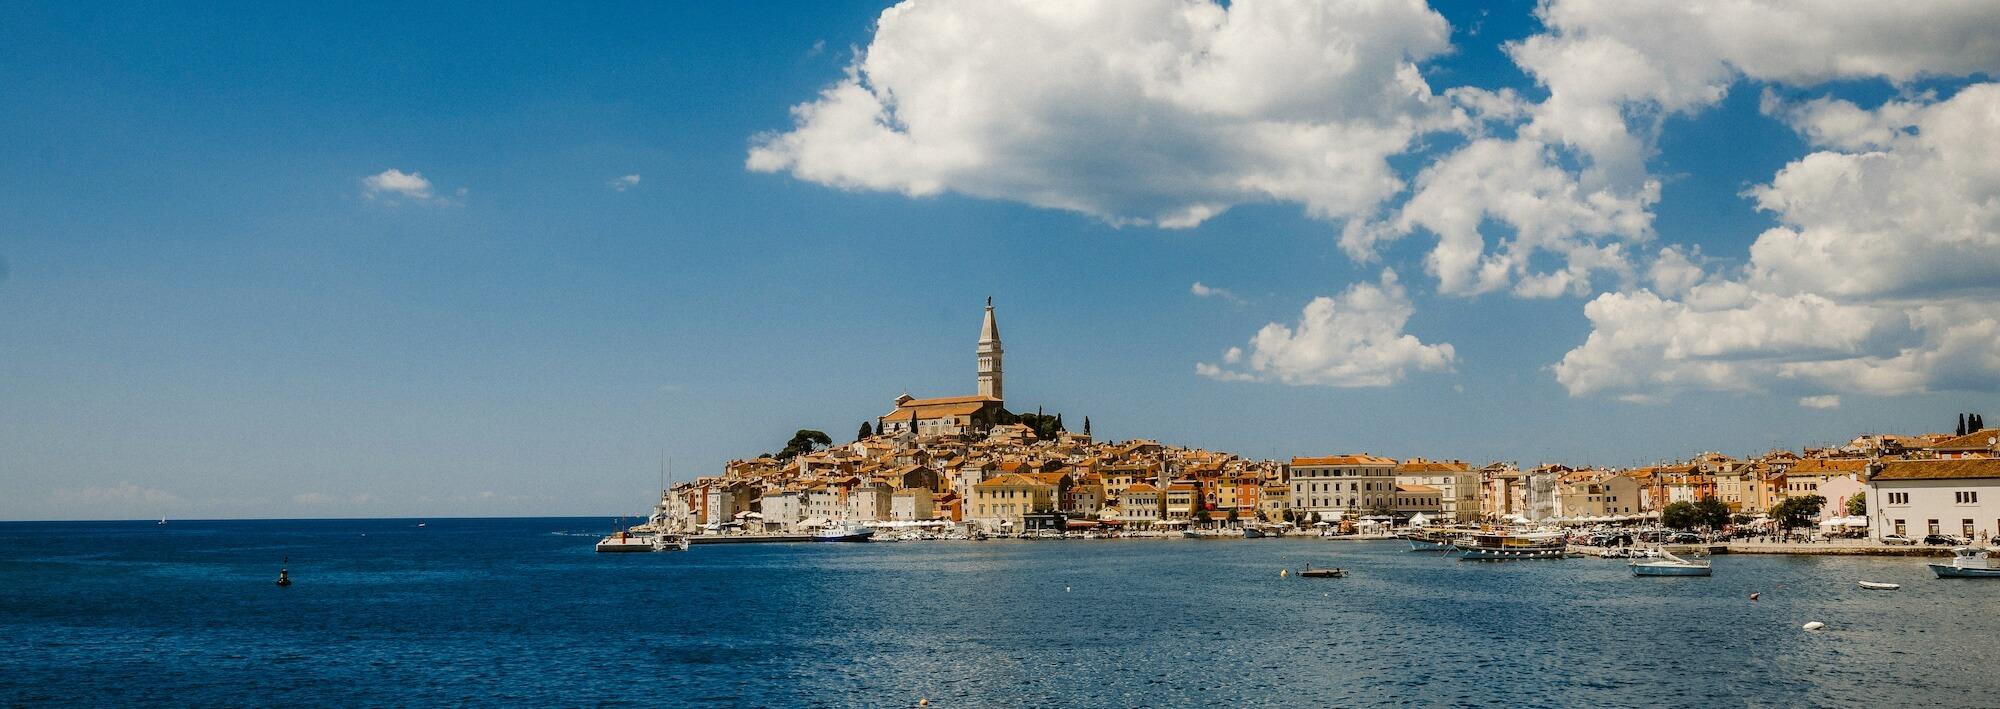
[[864, 431], [1961, 424], [1059, 424], [1086, 425]]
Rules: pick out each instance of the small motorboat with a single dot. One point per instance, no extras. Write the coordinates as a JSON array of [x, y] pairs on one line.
[[1312, 572], [1879, 586], [1967, 563], [1252, 533]]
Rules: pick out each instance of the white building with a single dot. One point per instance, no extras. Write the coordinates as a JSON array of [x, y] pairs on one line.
[[783, 509], [911, 505], [869, 502], [1343, 484], [1457, 486], [1914, 498]]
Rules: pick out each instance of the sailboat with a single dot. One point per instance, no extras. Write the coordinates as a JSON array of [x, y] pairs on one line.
[[1670, 565]]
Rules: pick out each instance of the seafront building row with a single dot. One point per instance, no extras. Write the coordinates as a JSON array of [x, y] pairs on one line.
[[966, 460]]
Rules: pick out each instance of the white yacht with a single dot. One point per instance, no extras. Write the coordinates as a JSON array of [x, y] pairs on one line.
[[1967, 563]]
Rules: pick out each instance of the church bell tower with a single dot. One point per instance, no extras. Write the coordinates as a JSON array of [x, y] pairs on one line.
[[989, 355]]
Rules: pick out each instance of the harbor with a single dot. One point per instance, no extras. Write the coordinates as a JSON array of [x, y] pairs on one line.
[[1089, 622]]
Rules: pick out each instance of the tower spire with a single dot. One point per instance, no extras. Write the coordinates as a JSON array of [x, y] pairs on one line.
[[989, 355]]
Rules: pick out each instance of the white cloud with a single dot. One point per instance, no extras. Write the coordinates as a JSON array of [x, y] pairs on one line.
[[1516, 184], [124, 493], [1353, 340], [1879, 278], [1826, 401], [623, 183], [1615, 70], [1164, 112], [1202, 291], [1674, 272], [393, 185]]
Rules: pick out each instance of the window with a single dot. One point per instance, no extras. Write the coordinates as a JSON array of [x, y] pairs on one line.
[[1900, 530], [1933, 527], [1966, 498], [1899, 498], [1965, 528]]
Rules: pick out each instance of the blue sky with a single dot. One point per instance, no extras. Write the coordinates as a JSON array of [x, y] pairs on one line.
[[207, 311]]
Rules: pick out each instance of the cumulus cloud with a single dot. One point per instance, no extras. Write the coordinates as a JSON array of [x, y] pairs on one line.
[[395, 186], [1614, 71], [1355, 339], [626, 182], [1203, 291], [1878, 279], [1514, 183], [1162, 112], [1825, 401]]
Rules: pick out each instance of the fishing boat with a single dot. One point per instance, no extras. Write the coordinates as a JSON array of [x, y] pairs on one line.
[[1879, 586], [620, 542], [670, 542], [1967, 563], [1253, 533], [844, 533], [1508, 546], [1670, 565], [1313, 572]]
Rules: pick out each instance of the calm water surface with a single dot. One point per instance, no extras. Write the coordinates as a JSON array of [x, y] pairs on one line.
[[521, 611]]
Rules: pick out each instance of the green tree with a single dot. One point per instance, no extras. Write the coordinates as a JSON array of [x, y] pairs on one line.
[[1086, 425], [878, 427], [1679, 515], [1857, 505], [1711, 513], [805, 441], [1961, 424], [1059, 423], [1234, 516], [865, 431], [1793, 512]]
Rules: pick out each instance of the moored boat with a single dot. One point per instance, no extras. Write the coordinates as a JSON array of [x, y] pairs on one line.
[[1506, 546], [1879, 586], [1670, 565], [845, 533], [1313, 572], [1967, 563], [1429, 541], [1253, 533]]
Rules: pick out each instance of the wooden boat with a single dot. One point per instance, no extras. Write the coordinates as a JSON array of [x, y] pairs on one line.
[[1319, 573], [1503, 546], [1879, 586], [1967, 563]]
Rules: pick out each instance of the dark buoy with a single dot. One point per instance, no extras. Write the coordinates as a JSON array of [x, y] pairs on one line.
[[284, 574]]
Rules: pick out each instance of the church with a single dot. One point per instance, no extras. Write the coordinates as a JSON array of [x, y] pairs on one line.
[[957, 414]]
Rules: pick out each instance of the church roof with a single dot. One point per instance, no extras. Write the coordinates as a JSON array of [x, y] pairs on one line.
[[989, 331], [940, 408]]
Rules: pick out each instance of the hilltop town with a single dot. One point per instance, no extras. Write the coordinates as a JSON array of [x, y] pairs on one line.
[[967, 460]]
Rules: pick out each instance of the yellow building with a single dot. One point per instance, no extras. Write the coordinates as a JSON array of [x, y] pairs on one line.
[[1000, 502]]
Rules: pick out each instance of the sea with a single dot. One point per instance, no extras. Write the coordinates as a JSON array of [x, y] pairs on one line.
[[523, 612]]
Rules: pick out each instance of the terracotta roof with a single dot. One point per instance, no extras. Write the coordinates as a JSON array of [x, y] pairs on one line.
[[1363, 459], [1962, 468], [1141, 487], [1812, 466], [1420, 489], [934, 410], [1012, 481], [1979, 440], [1430, 466]]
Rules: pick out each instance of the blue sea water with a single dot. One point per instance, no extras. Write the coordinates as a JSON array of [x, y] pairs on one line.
[[522, 612]]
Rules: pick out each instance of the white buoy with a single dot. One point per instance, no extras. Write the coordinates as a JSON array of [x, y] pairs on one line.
[[1065, 589], [1815, 625]]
